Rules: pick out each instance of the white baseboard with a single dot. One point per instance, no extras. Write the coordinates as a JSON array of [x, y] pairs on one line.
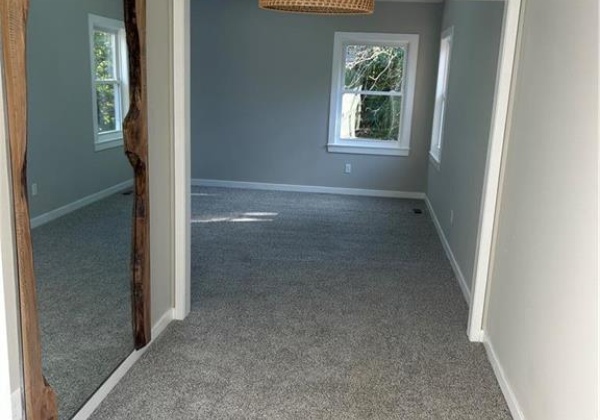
[[17, 405], [93, 403], [509, 394], [307, 188], [76, 205], [457, 271], [162, 324]]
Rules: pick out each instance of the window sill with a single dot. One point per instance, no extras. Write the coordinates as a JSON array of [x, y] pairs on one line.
[[113, 143], [368, 150], [436, 162]]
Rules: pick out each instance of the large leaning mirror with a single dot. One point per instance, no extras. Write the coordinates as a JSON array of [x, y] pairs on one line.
[[80, 192], [76, 96]]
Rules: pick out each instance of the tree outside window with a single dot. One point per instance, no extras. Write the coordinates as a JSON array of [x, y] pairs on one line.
[[108, 53], [373, 71]]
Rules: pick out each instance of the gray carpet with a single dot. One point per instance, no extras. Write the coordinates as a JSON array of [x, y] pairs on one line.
[[82, 267], [310, 306]]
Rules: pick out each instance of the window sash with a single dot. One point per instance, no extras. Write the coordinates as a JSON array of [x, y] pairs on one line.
[[394, 120], [439, 118], [342, 90], [116, 58], [107, 81], [438, 126], [116, 53], [371, 92], [354, 140], [398, 146], [109, 134], [118, 80]]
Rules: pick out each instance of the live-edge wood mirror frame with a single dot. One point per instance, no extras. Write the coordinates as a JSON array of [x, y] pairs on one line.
[[40, 400]]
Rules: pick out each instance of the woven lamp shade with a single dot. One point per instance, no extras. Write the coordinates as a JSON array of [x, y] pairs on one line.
[[320, 7]]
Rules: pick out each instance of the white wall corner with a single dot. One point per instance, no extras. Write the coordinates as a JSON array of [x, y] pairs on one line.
[[181, 157], [453, 262], [507, 390], [161, 325], [507, 64]]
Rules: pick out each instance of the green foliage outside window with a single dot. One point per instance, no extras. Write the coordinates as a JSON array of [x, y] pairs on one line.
[[106, 94], [376, 69]]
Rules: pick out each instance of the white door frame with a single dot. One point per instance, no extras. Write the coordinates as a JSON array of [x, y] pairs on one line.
[[492, 180], [182, 161]]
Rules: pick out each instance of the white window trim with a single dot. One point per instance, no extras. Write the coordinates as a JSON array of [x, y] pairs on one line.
[[439, 114], [112, 139], [372, 147]]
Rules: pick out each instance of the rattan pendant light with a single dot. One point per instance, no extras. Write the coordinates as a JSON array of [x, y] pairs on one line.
[[320, 7]]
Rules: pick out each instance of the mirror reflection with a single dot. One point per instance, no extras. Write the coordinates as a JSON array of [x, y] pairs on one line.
[[80, 185]]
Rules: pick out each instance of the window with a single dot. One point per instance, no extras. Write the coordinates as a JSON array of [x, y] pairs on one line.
[[108, 52], [441, 98], [372, 93]]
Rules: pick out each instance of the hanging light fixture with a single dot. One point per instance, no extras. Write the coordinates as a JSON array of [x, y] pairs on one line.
[[320, 7]]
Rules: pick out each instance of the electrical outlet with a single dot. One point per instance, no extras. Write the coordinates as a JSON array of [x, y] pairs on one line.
[[348, 168], [451, 217], [34, 189]]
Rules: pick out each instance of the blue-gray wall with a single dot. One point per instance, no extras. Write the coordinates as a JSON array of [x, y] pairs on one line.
[[260, 95], [457, 185], [61, 156]]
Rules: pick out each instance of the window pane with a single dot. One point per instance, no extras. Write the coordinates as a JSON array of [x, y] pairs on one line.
[[374, 68], [370, 117], [106, 99], [443, 67], [105, 48]]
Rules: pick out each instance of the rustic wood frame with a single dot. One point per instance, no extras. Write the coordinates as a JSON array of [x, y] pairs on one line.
[[40, 400]]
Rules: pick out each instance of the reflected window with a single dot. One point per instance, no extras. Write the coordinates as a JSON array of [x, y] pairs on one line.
[[108, 53], [372, 93], [441, 98]]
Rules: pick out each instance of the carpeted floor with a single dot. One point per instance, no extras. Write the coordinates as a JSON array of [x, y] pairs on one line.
[[83, 287], [309, 306]]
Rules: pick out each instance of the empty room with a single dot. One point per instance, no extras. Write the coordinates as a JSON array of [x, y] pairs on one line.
[[320, 283], [299, 209]]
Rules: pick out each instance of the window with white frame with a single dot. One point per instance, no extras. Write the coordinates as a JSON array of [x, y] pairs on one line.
[[372, 93], [441, 98], [108, 54]]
